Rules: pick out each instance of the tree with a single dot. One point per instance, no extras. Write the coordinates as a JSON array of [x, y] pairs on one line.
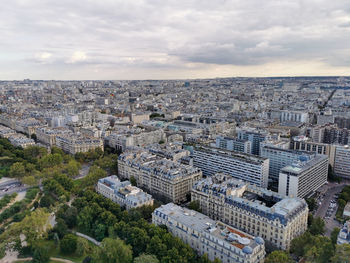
[[46, 200], [60, 228], [320, 250], [17, 170], [29, 180], [113, 251], [68, 244], [299, 244], [83, 247], [72, 168], [312, 204], [33, 227], [69, 215], [92, 177], [144, 258], [33, 153], [40, 252], [51, 160], [194, 205], [342, 254], [100, 231], [278, 256], [317, 226], [334, 235]]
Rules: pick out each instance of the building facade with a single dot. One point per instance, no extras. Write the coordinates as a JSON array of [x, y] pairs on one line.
[[254, 136], [165, 178], [250, 168], [123, 193], [303, 177], [342, 161], [302, 143], [73, 144], [280, 158], [257, 211], [210, 237], [233, 144]]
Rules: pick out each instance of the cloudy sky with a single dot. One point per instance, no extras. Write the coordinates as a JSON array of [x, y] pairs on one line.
[[168, 39]]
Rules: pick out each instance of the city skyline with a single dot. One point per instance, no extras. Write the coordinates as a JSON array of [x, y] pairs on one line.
[[173, 40]]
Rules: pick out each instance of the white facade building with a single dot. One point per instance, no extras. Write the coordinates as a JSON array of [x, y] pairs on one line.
[[250, 168], [123, 193], [276, 218], [210, 237], [303, 177], [342, 161]]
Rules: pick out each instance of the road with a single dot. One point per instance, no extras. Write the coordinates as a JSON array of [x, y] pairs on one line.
[[332, 189], [14, 190]]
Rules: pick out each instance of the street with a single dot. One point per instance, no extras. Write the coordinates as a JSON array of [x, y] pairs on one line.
[[328, 207]]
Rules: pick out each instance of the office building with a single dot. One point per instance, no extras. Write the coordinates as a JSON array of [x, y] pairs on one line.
[[303, 177], [276, 218], [250, 168], [123, 193], [210, 237]]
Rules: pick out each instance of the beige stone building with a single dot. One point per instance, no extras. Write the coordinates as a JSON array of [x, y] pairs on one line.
[[73, 143], [168, 179], [206, 236], [257, 211], [48, 135]]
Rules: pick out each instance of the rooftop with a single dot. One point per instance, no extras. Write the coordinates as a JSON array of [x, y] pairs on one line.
[[237, 155], [303, 165]]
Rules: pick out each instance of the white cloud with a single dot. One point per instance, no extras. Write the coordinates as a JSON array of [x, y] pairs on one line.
[[43, 57], [78, 56]]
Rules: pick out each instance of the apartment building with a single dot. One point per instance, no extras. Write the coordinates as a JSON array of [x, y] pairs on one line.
[[19, 140], [210, 237], [250, 168], [73, 143], [167, 179], [48, 135], [233, 144], [141, 138], [6, 132], [289, 115], [304, 176], [254, 136], [257, 211], [123, 193], [302, 143], [279, 158]]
